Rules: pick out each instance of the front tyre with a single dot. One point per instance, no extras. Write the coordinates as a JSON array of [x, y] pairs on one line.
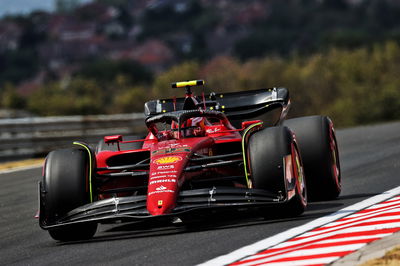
[[66, 186], [274, 157]]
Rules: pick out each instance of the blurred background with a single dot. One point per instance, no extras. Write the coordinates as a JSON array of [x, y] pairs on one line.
[[73, 57]]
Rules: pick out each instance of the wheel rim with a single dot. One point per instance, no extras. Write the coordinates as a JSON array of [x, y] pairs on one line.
[[334, 157], [301, 184]]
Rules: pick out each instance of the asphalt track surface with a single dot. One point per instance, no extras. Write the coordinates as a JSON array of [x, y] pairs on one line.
[[370, 165]]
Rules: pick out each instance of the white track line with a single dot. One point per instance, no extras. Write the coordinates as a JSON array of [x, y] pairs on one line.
[[309, 262], [281, 237]]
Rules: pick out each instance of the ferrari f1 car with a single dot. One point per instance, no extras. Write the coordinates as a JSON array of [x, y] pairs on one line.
[[193, 160]]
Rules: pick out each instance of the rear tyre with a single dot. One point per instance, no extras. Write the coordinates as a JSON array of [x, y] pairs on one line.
[[102, 146], [66, 186], [268, 149], [319, 151]]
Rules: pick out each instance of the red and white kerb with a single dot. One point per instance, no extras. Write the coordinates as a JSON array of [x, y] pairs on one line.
[[334, 240]]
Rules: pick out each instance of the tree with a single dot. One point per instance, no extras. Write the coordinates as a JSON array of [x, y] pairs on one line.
[[185, 71], [107, 70], [222, 73], [10, 99]]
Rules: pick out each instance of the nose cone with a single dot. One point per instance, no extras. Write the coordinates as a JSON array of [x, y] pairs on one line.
[[160, 207], [168, 159], [161, 198], [163, 183]]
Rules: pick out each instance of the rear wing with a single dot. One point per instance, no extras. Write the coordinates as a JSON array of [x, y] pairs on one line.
[[235, 105]]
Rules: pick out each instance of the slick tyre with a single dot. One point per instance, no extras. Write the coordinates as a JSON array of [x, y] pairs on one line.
[[319, 151], [66, 186], [267, 150], [102, 146]]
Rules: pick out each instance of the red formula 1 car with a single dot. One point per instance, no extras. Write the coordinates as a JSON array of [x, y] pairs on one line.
[[193, 160]]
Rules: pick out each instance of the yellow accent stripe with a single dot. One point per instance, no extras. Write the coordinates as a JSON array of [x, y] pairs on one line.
[[90, 168], [187, 83], [244, 150]]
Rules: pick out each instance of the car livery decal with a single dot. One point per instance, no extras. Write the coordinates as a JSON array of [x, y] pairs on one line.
[[167, 160], [170, 180]]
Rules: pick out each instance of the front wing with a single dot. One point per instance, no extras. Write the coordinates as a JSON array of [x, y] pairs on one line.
[[133, 208]]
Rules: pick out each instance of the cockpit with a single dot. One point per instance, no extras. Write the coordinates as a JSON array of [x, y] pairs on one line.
[[185, 123]]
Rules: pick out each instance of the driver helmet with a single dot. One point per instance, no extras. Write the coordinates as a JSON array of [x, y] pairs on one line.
[[196, 126]]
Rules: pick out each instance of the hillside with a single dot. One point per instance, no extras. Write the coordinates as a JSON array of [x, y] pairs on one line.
[[113, 53]]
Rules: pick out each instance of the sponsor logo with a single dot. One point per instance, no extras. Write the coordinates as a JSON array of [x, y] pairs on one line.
[[177, 145], [165, 167], [162, 181], [161, 188], [168, 160], [165, 172], [161, 191], [213, 130], [163, 176], [160, 176]]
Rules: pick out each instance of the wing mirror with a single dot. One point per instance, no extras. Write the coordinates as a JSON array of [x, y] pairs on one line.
[[113, 139]]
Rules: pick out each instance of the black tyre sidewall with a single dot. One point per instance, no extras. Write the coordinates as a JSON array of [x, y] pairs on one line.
[[66, 186], [266, 149], [65, 181], [314, 135]]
